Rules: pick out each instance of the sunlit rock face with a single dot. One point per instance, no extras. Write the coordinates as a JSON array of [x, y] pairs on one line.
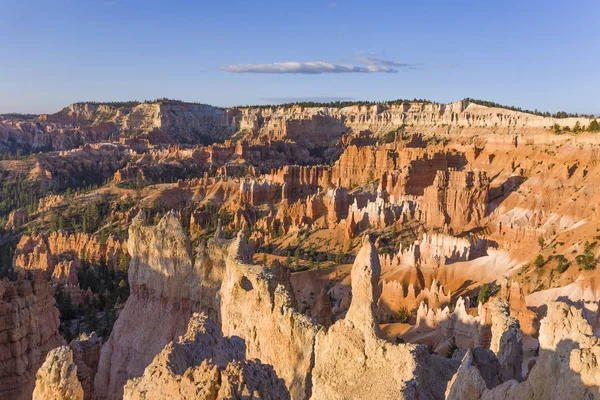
[[57, 377], [352, 362]]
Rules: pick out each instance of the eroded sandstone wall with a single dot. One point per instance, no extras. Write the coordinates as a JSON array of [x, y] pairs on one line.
[[29, 324], [164, 291]]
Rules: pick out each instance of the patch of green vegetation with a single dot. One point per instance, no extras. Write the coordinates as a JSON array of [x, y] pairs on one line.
[[560, 114], [403, 315], [338, 104], [451, 348], [485, 292], [587, 261], [539, 261], [18, 191]]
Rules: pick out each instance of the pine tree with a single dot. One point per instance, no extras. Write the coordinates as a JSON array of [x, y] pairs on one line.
[[484, 293]]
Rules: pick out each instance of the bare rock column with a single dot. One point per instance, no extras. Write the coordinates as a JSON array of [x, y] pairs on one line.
[[57, 377], [506, 340]]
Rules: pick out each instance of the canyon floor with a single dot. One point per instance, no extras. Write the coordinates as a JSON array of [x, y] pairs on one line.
[[407, 249]]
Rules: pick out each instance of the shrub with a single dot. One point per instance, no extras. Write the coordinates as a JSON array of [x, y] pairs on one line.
[[403, 315], [557, 129], [484, 293], [587, 260], [562, 266], [539, 261], [541, 242], [451, 348]]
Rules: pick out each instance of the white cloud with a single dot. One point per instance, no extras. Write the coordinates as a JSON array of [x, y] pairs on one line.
[[316, 67], [383, 62]]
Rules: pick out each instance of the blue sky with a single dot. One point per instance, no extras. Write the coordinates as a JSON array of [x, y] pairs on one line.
[[533, 54]]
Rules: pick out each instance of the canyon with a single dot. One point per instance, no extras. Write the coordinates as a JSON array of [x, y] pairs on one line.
[[406, 249]]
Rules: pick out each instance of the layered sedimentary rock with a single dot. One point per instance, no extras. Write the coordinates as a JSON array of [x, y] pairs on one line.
[[168, 121], [29, 324], [57, 377], [394, 297], [185, 121], [203, 364], [86, 355], [528, 319], [506, 340], [257, 309], [567, 366], [60, 254], [456, 199], [164, 289], [90, 164], [16, 219], [478, 371], [322, 125], [253, 305], [68, 371], [454, 327], [352, 362], [247, 300]]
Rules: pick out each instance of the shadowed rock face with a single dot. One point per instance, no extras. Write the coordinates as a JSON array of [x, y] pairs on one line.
[[29, 324], [86, 354], [203, 364], [506, 340], [567, 367], [164, 293], [167, 287]]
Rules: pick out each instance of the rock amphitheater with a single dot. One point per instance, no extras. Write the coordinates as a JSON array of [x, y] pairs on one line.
[[402, 250]]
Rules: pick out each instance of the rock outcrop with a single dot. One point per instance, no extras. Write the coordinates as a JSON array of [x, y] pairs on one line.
[[506, 340], [57, 377], [478, 371], [86, 355], [28, 330], [164, 289], [352, 362], [395, 297], [203, 364], [165, 121], [16, 219], [254, 307], [60, 254], [567, 367]]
